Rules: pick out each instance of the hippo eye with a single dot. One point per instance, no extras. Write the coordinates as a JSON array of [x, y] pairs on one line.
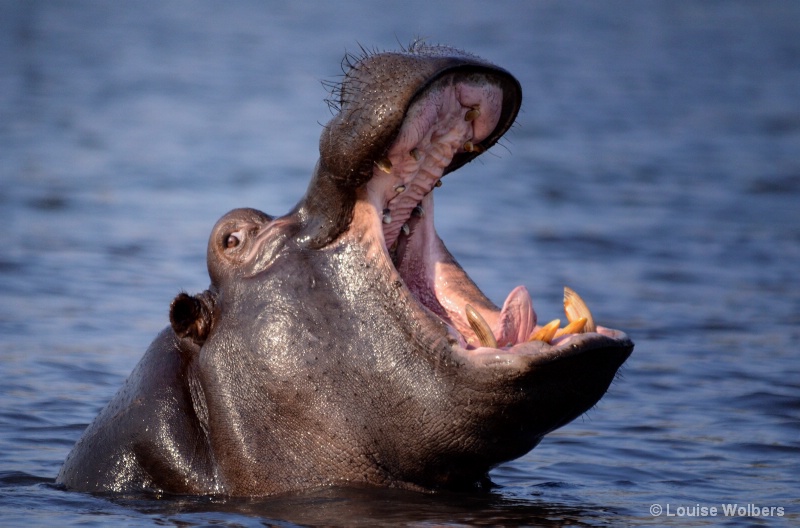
[[232, 240]]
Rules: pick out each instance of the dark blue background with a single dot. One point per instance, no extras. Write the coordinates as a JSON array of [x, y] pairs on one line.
[[655, 168]]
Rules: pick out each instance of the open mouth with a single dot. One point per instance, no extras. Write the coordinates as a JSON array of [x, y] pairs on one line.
[[455, 115]]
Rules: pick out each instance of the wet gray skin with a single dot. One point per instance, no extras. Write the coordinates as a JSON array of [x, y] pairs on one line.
[[332, 345]]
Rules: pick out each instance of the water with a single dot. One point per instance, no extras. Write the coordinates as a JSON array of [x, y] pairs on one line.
[[655, 168]]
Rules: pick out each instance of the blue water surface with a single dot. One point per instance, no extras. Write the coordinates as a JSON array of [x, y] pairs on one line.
[[654, 168]]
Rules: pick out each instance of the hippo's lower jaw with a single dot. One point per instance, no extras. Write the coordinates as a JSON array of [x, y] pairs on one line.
[[453, 116]]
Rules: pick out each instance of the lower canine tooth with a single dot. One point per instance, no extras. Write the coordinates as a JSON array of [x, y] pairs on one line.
[[576, 309], [547, 332], [480, 327], [574, 327], [387, 216]]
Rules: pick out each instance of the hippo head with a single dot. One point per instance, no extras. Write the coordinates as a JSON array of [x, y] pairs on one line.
[[342, 342]]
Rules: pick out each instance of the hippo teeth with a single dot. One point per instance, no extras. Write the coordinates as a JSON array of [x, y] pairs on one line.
[[576, 309], [546, 333], [517, 321], [574, 327], [579, 317], [473, 114], [385, 165], [481, 328]]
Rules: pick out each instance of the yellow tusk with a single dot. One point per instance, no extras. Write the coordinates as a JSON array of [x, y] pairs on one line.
[[576, 309], [574, 327], [480, 327], [547, 332]]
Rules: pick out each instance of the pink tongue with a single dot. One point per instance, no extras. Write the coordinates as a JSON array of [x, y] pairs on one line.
[[517, 318]]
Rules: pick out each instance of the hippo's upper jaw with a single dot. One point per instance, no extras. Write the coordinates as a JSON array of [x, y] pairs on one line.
[[451, 108], [342, 342], [452, 116]]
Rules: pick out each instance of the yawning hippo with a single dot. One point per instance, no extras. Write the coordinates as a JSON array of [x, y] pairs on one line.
[[342, 343]]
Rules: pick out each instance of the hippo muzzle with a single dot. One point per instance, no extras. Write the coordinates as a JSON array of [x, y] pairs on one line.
[[342, 342]]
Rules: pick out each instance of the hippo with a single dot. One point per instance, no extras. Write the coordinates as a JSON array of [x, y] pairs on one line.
[[342, 344]]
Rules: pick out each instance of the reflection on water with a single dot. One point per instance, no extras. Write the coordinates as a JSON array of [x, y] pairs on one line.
[[655, 168]]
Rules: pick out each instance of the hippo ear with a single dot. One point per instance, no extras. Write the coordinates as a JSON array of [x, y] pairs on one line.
[[191, 316]]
